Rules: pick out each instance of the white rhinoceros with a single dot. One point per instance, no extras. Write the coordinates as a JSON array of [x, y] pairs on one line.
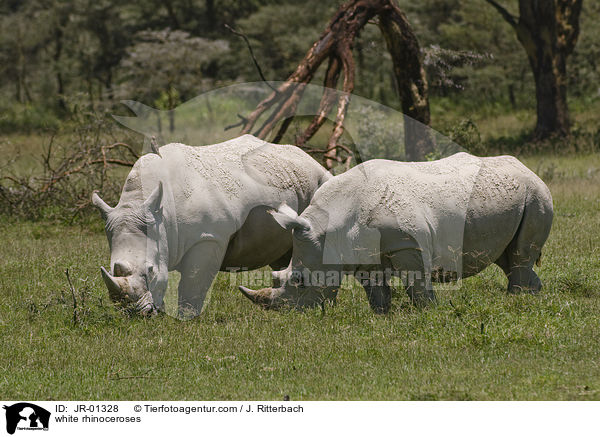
[[199, 210], [422, 221]]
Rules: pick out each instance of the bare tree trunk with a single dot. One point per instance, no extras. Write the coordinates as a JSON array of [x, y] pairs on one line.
[[548, 31], [211, 17], [551, 95], [412, 83], [20, 73], [108, 84], [335, 45], [58, 40], [90, 88], [511, 96], [18, 89], [172, 15]]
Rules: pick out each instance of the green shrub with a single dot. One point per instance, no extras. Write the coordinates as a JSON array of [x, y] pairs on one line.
[[26, 118]]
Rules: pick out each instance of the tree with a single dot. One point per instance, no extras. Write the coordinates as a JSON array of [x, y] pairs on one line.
[[19, 49], [163, 66], [548, 31], [335, 46]]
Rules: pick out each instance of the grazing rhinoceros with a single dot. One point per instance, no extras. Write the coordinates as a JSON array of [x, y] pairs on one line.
[[423, 221], [199, 210]]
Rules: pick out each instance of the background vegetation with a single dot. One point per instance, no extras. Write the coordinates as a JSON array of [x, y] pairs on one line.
[[90, 54]]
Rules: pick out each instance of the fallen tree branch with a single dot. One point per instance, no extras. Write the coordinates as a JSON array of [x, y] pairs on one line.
[[116, 377], [105, 161], [337, 146], [75, 318]]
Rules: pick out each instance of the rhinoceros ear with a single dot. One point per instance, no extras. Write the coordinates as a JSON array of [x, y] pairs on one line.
[[153, 201], [289, 219], [101, 205]]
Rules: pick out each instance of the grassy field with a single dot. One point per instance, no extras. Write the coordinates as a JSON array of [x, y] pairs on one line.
[[476, 343]]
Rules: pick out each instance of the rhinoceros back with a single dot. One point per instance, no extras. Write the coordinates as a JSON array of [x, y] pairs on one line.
[[243, 169]]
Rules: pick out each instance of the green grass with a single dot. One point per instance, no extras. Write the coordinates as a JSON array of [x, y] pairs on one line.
[[477, 343]]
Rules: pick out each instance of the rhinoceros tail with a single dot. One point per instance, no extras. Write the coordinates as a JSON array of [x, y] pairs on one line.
[[154, 146], [289, 219]]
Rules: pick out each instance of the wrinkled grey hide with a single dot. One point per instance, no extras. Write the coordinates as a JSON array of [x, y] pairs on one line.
[[430, 221], [199, 210]]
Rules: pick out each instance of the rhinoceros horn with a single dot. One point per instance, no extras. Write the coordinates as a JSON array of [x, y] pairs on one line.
[[100, 204], [261, 297], [114, 289]]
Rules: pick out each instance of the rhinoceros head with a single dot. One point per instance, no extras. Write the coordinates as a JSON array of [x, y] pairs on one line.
[[138, 275], [305, 283]]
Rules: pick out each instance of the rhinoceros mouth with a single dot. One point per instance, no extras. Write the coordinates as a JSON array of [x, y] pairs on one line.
[[118, 288], [145, 305]]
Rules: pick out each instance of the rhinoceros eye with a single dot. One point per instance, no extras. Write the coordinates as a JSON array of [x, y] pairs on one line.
[[149, 274]]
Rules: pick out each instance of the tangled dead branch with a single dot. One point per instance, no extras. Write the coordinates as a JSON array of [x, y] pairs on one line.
[[72, 168], [66, 168]]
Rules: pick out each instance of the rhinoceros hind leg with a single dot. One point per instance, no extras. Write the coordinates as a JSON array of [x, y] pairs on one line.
[[525, 248], [520, 274], [523, 279]]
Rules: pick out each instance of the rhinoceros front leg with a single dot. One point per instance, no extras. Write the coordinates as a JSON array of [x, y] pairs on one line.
[[198, 269], [379, 295], [415, 277]]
